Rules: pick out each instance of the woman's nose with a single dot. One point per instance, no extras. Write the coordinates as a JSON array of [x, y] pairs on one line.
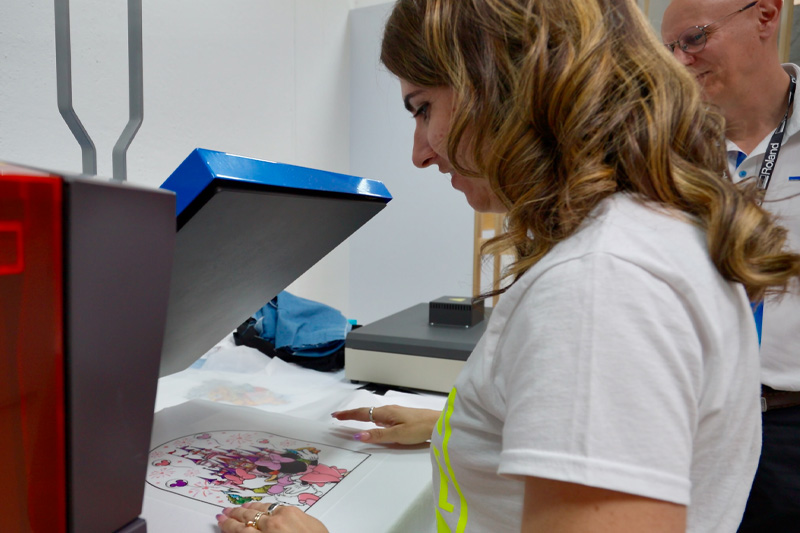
[[422, 155]]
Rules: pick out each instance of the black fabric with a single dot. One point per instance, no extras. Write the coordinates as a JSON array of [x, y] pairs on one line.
[[774, 504], [246, 335]]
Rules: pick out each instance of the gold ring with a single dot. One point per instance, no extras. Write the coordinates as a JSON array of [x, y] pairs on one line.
[[254, 522]]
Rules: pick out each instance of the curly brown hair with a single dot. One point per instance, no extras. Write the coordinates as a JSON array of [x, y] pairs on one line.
[[560, 104]]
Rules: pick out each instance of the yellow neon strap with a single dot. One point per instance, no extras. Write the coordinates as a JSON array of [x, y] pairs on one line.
[[446, 474]]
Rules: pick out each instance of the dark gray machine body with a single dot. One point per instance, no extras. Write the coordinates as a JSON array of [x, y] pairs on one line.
[[118, 256], [410, 332], [240, 251], [246, 230], [406, 350]]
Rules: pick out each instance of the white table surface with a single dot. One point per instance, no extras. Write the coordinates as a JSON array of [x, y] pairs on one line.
[[394, 497]]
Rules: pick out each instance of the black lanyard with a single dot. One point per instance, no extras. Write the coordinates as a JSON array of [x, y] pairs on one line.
[[774, 146]]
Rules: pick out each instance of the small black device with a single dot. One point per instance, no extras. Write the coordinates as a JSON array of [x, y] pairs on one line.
[[455, 311]]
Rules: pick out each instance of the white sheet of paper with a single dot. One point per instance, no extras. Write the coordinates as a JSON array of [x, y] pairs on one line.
[[244, 376], [203, 451]]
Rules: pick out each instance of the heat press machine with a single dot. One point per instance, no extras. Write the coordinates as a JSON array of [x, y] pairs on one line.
[[84, 284], [106, 286], [94, 276]]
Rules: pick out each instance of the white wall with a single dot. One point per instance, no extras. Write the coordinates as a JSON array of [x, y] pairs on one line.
[[262, 78], [296, 81], [656, 13], [420, 247]]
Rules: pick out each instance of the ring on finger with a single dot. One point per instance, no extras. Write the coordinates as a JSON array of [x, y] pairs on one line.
[[272, 507], [370, 414], [254, 522]]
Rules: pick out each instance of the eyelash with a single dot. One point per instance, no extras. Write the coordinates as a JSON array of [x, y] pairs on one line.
[[421, 111]]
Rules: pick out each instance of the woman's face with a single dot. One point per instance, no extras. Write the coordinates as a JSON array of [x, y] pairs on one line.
[[432, 109]]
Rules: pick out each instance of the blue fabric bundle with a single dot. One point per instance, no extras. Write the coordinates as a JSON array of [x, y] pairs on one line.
[[301, 327]]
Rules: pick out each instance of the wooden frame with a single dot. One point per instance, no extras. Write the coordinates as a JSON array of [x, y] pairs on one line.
[[486, 222], [785, 35]]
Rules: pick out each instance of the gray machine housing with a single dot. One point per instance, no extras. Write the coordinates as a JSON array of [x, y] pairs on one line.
[[246, 230], [118, 254], [405, 350]]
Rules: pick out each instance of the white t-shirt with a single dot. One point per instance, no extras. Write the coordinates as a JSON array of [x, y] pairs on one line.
[[622, 360], [780, 334]]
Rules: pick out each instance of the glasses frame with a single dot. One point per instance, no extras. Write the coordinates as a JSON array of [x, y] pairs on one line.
[[680, 42]]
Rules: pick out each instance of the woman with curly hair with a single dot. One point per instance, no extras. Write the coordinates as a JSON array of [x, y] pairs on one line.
[[617, 385]]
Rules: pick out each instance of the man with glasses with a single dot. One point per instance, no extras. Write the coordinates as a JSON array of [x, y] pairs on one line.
[[730, 46]]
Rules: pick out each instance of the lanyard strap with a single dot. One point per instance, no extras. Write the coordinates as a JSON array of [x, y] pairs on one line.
[[764, 175], [774, 147]]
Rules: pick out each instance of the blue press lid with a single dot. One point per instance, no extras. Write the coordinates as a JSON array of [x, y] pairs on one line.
[[202, 167]]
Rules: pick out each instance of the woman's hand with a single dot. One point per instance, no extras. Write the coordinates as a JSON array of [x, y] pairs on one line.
[[284, 519], [403, 425]]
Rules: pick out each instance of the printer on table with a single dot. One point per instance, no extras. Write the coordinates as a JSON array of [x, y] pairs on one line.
[[422, 347]]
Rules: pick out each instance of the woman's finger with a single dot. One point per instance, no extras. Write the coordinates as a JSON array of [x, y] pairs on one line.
[[285, 519], [235, 519], [258, 506], [400, 434], [386, 415], [231, 525], [377, 436], [361, 414]]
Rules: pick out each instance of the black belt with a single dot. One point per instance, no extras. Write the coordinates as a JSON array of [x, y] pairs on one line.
[[778, 399]]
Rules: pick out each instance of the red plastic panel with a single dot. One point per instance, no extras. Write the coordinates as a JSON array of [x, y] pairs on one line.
[[32, 446], [11, 248]]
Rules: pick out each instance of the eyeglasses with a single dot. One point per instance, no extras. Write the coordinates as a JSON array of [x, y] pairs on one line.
[[694, 39]]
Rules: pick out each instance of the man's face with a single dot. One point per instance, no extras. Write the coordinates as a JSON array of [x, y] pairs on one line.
[[725, 61]]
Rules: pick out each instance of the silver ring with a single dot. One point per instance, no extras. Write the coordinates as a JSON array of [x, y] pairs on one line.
[[272, 507], [370, 414], [254, 522]]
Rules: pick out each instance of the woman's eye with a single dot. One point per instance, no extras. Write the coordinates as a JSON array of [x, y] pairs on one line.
[[422, 111]]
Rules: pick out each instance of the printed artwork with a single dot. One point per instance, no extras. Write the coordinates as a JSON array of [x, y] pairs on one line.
[[225, 468]]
